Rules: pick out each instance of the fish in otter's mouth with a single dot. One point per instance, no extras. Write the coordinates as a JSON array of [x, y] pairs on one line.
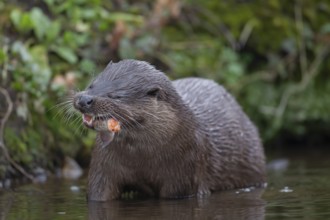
[[101, 124], [107, 127]]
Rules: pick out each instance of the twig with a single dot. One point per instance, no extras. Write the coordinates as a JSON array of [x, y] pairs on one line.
[[2, 128], [307, 77], [5, 65], [308, 71], [301, 42], [246, 33]]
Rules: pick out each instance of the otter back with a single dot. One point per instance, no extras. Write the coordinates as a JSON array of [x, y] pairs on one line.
[[234, 150]]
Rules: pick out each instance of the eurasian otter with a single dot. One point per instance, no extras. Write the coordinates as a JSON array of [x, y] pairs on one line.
[[176, 139]]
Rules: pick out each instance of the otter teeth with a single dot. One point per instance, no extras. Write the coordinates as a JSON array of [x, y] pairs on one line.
[[88, 119]]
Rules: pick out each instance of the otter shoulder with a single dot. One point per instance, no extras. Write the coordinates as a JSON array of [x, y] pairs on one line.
[[202, 94], [215, 109]]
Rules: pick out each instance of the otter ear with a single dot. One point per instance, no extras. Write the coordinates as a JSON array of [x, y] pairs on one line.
[[154, 92]]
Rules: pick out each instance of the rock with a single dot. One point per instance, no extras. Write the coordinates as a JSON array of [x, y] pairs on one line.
[[71, 169]]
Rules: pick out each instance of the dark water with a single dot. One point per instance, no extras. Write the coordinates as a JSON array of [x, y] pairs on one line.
[[298, 188]]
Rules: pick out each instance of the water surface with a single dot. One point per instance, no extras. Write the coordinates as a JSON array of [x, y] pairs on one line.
[[298, 188]]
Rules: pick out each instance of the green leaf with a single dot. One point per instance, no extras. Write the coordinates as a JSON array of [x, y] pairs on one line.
[[66, 54], [21, 49], [42, 72], [15, 17], [21, 21], [325, 29], [126, 50], [87, 66], [54, 31], [74, 40], [41, 22], [50, 3], [3, 56], [120, 16]]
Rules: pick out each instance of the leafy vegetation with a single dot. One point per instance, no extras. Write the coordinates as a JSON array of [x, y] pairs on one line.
[[271, 55]]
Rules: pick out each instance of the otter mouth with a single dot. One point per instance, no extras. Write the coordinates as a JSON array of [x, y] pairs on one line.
[[107, 127], [95, 122], [101, 123], [88, 120], [92, 121]]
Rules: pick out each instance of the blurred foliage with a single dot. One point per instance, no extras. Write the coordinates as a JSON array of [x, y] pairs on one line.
[[271, 55]]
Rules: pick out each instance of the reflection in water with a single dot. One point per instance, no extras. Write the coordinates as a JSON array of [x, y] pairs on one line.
[[226, 205], [298, 188], [5, 207]]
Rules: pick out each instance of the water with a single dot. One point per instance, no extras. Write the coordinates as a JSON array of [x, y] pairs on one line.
[[298, 188]]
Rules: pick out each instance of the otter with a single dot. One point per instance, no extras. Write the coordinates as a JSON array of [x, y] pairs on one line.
[[182, 138]]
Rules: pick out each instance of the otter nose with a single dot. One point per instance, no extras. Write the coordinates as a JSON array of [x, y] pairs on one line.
[[85, 101]]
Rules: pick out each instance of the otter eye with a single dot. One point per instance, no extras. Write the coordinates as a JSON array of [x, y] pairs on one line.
[[153, 92], [111, 96]]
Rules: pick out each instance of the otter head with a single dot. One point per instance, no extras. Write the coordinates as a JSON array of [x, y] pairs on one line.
[[136, 96]]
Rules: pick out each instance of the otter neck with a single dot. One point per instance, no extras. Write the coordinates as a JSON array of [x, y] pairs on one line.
[[182, 127]]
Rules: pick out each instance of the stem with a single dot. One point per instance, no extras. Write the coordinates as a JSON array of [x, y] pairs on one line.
[[2, 128], [301, 42]]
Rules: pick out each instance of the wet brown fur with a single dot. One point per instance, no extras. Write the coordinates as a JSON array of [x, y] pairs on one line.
[[182, 138]]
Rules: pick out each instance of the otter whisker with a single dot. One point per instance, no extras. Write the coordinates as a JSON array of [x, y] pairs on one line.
[[150, 114], [129, 116], [60, 108], [69, 113], [80, 129], [66, 114], [64, 101], [76, 119], [131, 121], [122, 117]]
